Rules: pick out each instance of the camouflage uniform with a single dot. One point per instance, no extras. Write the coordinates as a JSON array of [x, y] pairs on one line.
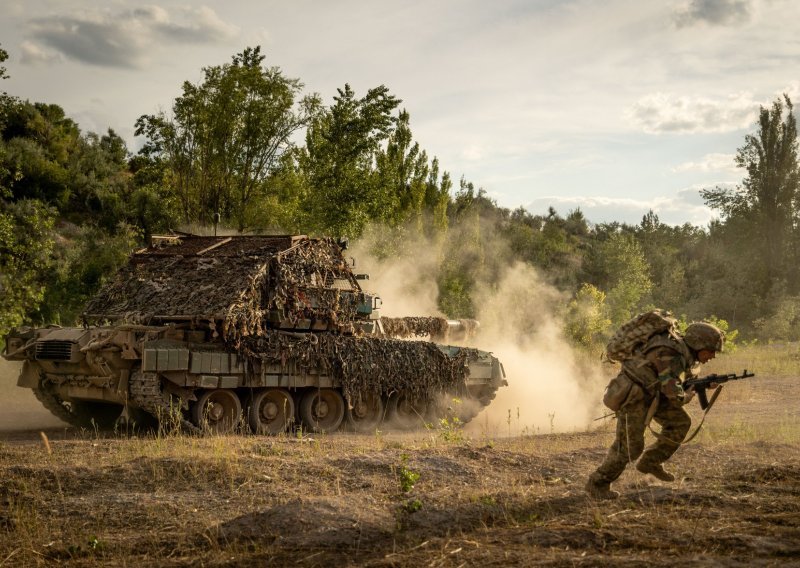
[[659, 368]]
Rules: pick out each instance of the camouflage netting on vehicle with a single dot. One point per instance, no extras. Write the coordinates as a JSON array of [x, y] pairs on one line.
[[236, 280], [173, 286], [364, 364], [434, 327], [414, 327]]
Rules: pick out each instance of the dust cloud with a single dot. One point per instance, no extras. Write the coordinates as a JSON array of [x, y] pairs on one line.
[[406, 285], [21, 410], [551, 386]]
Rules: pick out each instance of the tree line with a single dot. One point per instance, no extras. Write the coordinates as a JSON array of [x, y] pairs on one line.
[[247, 146]]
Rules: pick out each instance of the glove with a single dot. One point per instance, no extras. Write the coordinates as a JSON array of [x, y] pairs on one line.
[[673, 391]]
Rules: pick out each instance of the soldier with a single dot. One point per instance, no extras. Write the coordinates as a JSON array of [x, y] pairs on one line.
[[657, 372]]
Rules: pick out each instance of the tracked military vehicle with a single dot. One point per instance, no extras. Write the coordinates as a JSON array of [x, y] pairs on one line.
[[271, 332]]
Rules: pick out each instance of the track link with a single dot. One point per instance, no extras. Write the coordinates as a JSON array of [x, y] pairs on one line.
[[144, 390], [59, 408]]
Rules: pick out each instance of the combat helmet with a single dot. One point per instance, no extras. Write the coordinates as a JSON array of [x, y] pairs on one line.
[[702, 335]]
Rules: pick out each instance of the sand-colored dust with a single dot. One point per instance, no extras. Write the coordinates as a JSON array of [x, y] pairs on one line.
[[20, 409], [551, 386]]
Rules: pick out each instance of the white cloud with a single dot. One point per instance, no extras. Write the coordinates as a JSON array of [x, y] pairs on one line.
[[200, 25], [685, 206], [709, 163], [34, 54], [713, 12], [127, 39], [472, 153], [661, 112]]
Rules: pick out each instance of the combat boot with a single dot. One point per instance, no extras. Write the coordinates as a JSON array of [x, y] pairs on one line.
[[655, 469], [598, 488]]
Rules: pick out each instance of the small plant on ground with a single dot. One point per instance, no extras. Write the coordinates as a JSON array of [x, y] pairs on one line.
[[406, 476], [411, 506], [451, 430]]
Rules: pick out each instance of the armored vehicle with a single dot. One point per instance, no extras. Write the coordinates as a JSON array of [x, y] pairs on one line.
[[271, 332]]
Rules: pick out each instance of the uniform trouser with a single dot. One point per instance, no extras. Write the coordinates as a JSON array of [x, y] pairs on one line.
[[629, 443]]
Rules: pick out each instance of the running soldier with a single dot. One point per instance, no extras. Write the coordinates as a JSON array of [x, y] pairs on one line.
[[653, 376]]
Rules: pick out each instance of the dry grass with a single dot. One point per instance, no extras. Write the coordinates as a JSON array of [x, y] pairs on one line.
[[436, 498]]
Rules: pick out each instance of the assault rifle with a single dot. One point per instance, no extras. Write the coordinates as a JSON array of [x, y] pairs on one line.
[[702, 383]]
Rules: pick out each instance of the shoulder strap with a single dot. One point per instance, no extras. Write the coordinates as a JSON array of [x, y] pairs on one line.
[[671, 340]]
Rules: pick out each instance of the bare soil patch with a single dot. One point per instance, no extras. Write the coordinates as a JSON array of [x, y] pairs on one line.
[[434, 498]]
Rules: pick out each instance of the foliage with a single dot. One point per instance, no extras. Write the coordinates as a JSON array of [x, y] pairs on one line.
[[3, 58], [761, 216], [248, 143], [411, 506], [342, 145], [451, 429], [226, 136], [620, 268], [586, 319], [26, 244], [783, 323], [87, 257], [406, 476]]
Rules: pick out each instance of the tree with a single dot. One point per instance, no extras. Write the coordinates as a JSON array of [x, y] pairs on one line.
[[402, 170], [26, 246], [3, 59], [586, 317], [663, 248], [5, 103], [339, 160], [621, 271], [227, 135], [768, 197], [86, 257], [437, 197]]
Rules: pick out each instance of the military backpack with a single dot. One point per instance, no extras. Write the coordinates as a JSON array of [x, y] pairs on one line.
[[636, 332]]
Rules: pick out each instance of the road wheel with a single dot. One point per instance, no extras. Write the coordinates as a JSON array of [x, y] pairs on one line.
[[405, 412], [367, 412], [271, 411], [322, 410], [217, 411]]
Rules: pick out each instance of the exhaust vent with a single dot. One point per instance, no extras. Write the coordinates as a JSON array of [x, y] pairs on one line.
[[55, 350]]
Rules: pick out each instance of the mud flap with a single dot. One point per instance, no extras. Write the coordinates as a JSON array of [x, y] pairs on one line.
[[29, 376]]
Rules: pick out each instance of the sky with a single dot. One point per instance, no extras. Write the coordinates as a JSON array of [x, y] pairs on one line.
[[616, 107]]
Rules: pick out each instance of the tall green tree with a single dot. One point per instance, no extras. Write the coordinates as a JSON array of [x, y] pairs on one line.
[[26, 235], [402, 170], [663, 248], [767, 200], [227, 135], [437, 197], [338, 161]]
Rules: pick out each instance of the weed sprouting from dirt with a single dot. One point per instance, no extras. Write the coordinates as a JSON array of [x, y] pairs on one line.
[[412, 505], [451, 429], [406, 476]]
